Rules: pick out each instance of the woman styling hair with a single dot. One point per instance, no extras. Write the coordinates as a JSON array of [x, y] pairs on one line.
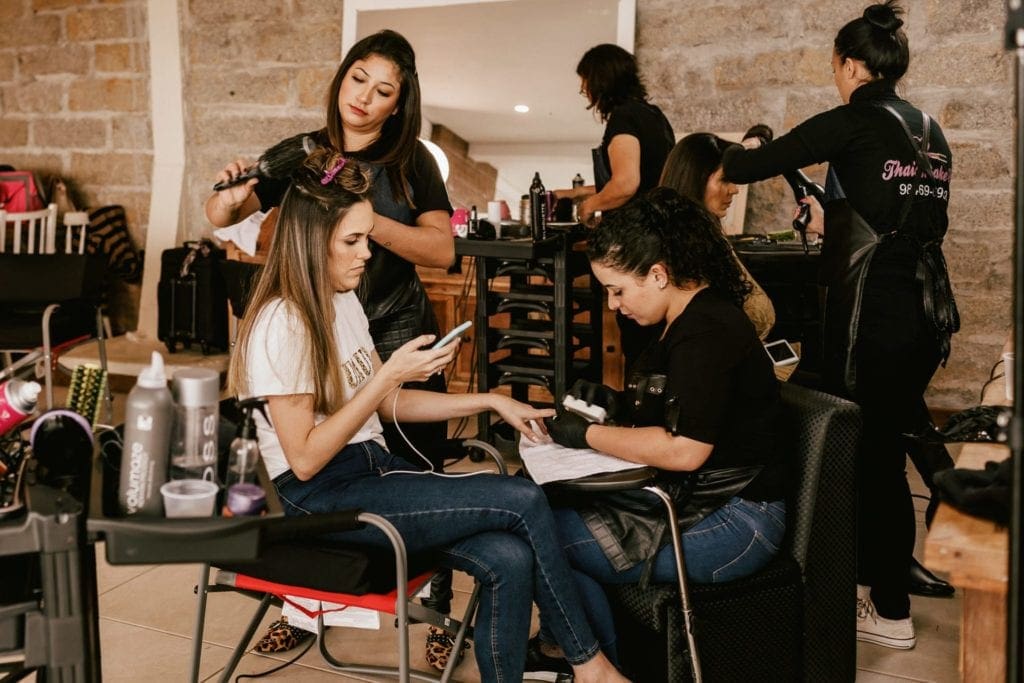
[[694, 170], [305, 345], [373, 115], [637, 139], [702, 399], [890, 314]]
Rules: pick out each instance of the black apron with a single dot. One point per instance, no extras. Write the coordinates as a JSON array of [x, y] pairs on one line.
[[846, 255], [390, 291]]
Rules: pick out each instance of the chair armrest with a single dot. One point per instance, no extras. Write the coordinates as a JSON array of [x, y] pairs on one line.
[[306, 526], [625, 480], [489, 450]]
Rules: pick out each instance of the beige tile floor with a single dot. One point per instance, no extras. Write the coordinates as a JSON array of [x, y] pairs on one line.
[[146, 620]]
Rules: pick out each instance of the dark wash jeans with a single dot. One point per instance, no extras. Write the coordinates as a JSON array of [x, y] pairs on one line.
[[498, 529], [734, 541]]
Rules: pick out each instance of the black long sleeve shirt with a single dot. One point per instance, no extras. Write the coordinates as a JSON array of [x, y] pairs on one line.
[[876, 168], [870, 154]]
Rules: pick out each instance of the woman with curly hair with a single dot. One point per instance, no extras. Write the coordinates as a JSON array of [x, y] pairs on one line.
[[703, 400]]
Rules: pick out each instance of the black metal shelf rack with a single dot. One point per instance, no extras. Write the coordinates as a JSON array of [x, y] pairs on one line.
[[553, 335]]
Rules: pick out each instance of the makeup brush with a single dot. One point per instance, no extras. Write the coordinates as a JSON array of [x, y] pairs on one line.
[[276, 162]]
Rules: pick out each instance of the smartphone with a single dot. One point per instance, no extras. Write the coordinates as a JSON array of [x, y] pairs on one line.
[[781, 352], [448, 338]]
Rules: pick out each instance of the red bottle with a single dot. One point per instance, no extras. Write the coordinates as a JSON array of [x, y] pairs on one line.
[[17, 401]]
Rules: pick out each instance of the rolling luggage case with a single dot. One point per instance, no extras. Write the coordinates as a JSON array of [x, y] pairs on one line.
[[192, 302]]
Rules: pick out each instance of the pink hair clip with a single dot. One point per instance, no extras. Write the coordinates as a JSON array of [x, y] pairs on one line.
[[329, 176]]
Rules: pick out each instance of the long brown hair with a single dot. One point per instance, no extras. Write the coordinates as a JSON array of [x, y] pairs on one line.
[[296, 272], [395, 147], [692, 161]]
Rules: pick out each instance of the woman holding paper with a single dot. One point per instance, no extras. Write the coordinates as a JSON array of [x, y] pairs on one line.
[[703, 399]]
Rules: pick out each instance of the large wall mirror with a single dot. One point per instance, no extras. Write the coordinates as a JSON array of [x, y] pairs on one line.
[[479, 60]]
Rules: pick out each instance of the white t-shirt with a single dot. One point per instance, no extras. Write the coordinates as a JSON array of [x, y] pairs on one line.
[[277, 365]]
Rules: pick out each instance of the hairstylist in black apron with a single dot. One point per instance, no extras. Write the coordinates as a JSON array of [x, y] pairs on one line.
[[889, 310], [637, 139], [373, 117]]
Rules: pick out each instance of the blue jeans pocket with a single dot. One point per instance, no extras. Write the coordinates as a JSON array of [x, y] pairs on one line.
[[756, 555]]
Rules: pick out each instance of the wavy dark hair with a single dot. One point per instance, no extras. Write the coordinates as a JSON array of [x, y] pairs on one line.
[[877, 39], [691, 162], [612, 77], [662, 226], [296, 271], [396, 146]]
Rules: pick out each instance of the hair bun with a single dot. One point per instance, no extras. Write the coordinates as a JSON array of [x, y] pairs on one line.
[[884, 16]]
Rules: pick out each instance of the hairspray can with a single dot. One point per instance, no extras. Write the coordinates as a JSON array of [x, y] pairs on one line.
[[17, 401], [196, 419]]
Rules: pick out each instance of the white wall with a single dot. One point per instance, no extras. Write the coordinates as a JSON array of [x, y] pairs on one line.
[[516, 163]]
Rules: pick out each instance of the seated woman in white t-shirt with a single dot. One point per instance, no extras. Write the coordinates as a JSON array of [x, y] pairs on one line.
[[305, 345]]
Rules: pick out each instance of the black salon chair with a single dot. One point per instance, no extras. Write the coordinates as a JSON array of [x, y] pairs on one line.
[[48, 301], [793, 620]]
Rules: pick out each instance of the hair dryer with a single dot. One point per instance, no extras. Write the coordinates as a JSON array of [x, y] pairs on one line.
[[803, 187]]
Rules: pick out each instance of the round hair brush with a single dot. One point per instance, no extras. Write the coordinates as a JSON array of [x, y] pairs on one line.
[[276, 162]]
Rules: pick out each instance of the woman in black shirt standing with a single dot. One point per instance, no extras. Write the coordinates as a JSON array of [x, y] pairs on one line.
[[637, 139], [888, 316]]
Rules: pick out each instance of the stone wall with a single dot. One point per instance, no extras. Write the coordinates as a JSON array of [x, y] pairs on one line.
[[470, 182], [723, 65], [74, 98], [255, 72]]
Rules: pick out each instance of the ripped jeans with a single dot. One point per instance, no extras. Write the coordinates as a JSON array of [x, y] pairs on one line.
[[734, 541], [498, 529]]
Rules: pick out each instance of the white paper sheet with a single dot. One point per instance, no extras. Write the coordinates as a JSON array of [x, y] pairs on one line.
[[351, 617], [547, 462]]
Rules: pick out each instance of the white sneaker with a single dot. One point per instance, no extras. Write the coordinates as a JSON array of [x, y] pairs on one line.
[[871, 628]]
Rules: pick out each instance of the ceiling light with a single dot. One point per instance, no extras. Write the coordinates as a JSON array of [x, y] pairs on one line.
[[521, 108], [439, 156]]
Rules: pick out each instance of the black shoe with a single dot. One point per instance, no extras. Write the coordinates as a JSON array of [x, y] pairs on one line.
[[926, 584], [541, 667]]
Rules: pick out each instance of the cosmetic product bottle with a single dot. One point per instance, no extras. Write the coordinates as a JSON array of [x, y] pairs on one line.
[[18, 400], [538, 208], [196, 416], [147, 431]]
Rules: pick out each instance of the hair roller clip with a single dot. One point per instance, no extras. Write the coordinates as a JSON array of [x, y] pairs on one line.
[[329, 175]]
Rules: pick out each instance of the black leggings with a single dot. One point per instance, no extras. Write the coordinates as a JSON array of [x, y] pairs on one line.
[[893, 371]]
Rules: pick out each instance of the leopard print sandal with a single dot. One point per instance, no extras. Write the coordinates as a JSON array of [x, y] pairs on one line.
[[439, 648], [281, 637]]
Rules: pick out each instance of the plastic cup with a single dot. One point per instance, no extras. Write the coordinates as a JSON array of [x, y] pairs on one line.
[[1008, 374], [189, 497]]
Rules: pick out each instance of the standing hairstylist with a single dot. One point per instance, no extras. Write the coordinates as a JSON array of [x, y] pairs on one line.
[[889, 311], [373, 116], [637, 140]]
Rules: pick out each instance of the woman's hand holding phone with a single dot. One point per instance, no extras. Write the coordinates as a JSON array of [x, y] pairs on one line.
[[411, 362]]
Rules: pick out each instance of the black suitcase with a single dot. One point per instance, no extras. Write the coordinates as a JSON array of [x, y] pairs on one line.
[[192, 301]]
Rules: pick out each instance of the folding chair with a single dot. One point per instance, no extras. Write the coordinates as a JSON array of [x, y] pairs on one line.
[[349, 575]]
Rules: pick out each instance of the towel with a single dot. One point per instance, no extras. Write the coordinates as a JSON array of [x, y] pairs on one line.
[[244, 233]]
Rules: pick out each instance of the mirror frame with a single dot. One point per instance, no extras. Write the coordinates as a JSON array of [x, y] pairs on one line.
[[625, 33]]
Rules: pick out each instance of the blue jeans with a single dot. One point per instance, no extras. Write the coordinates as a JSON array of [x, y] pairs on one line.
[[734, 541], [498, 529]]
